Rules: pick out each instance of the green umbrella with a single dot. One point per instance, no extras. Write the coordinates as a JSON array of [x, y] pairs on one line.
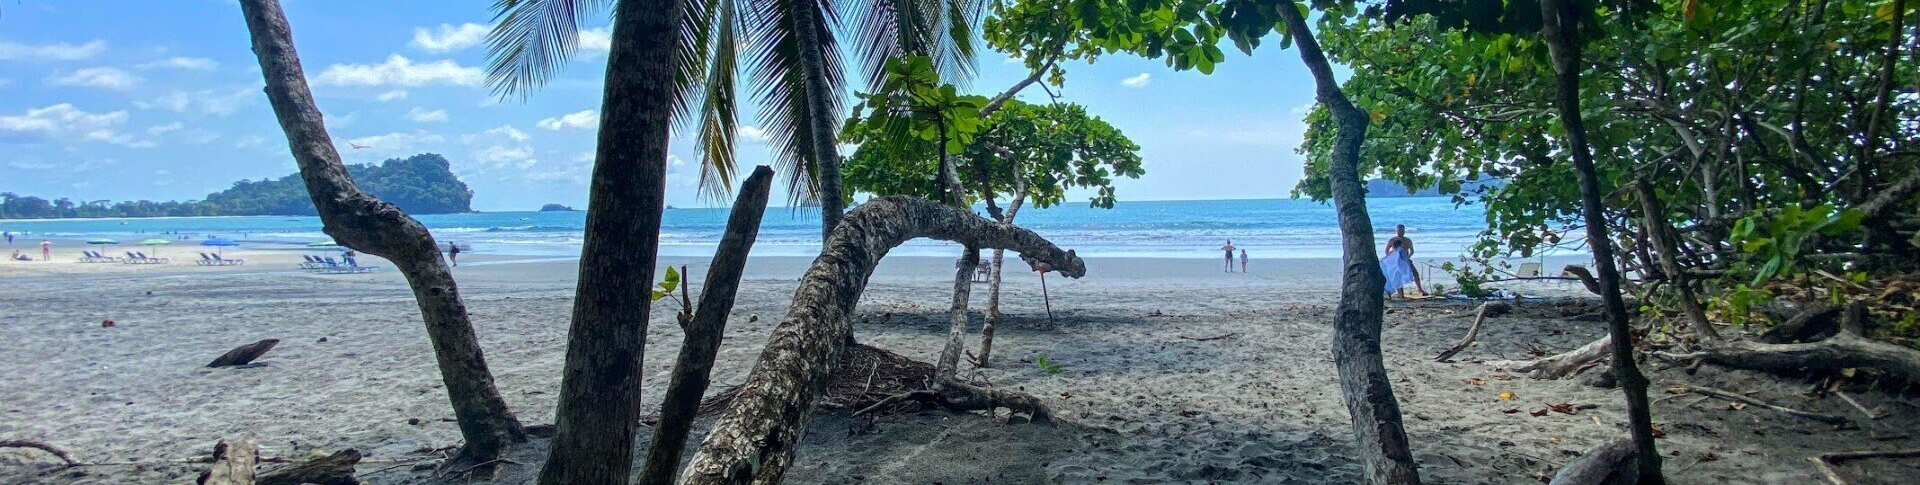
[[155, 242]]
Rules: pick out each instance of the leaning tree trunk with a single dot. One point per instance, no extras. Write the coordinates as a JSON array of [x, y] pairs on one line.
[[822, 123], [945, 370], [694, 368], [993, 281], [1563, 44], [1660, 235], [1381, 440], [754, 441], [600, 386], [369, 225]]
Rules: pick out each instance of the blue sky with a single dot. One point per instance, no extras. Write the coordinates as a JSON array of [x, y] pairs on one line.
[[130, 100]]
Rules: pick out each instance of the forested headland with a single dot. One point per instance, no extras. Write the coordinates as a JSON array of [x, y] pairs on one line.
[[420, 184]]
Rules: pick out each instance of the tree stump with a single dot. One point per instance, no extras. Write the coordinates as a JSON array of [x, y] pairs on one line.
[[244, 354], [233, 462]]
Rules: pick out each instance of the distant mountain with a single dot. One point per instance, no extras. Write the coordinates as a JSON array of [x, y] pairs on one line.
[[421, 184], [1383, 188], [555, 208]]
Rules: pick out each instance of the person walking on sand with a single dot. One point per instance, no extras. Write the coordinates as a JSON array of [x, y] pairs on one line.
[[1229, 249], [453, 254], [46, 250], [1243, 261], [1397, 264]]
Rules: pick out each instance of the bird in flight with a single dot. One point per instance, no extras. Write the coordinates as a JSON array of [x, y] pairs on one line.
[[356, 146]]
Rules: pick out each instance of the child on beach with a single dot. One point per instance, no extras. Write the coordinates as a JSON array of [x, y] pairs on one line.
[[1243, 260], [453, 254]]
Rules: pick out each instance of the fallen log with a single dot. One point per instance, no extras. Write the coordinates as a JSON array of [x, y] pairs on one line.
[[335, 469], [244, 354], [1809, 323], [1842, 350], [1564, 364], [1610, 463], [1486, 310], [233, 463], [42, 446]]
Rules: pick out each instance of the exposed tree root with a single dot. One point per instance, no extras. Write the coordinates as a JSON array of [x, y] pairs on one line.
[[1842, 350], [958, 397], [1734, 396], [42, 446], [1562, 365], [1610, 463]]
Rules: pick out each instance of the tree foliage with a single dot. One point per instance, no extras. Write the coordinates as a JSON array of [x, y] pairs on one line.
[[421, 184]]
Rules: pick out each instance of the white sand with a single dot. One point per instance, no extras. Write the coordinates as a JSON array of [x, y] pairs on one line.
[[1139, 403]]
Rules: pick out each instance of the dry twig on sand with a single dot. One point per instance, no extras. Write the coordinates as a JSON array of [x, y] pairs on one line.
[[1723, 394], [1488, 309]]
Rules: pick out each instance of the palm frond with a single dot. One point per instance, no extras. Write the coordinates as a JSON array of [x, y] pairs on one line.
[[719, 119], [777, 51], [958, 51], [531, 39], [939, 29]]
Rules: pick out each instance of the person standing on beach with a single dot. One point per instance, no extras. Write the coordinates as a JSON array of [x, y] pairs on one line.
[[453, 254], [1398, 263], [348, 256], [9, 238], [1229, 249], [46, 250], [1243, 260]]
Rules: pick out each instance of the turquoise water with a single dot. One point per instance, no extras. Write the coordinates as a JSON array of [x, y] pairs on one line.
[[1270, 228]]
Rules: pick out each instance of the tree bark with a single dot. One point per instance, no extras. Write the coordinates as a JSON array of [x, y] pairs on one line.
[[1380, 438], [599, 403], [949, 364], [233, 462], [822, 129], [1841, 351], [754, 441], [1560, 19], [1810, 322], [1610, 463], [1565, 363], [1659, 235], [993, 280], [369, 225], [693, 369]]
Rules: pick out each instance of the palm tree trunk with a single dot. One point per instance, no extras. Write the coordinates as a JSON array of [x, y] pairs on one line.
[[754, 441], [693, 369], [993, 283], [600, 387], [822, 120], [1564, 45], [369, 225], [1381, 440]]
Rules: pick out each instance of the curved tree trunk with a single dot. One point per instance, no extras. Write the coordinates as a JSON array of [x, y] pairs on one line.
[[1563, 43], [1660, 236], [600, 385], [1381, 440], [993, 281], [371, 226], [822, 118], [693, 370], [754, 441]]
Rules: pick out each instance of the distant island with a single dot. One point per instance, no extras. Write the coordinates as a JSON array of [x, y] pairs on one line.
[[556, 208], [421, 184]]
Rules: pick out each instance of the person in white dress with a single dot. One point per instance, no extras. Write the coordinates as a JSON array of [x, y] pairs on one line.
[[1397, 264]]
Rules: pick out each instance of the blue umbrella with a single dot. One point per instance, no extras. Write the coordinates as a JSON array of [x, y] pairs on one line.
[[222, 243]]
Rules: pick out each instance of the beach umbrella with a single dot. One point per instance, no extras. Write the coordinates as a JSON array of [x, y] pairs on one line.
[[219, 244], [155, 242], [323, 244], [101, 241]]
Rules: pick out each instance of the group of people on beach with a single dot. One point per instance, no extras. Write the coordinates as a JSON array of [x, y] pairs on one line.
[[46, 251], [1396, 264]]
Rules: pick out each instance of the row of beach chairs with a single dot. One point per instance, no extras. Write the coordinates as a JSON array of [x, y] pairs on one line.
[[326, 264], [214, 259], [137, 257], [96, 257], [133, 257]]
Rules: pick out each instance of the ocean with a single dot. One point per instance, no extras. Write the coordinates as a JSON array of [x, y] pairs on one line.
[[1267, 228]]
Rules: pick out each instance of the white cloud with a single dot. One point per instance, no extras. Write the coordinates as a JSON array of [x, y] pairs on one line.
[[96, 77], [389, 96], [198, 137], [596, 40], [573, 171], [753, 134], [396, 143], [205, 101], [166, 128], [423, 115], [188, 63], [250, 141], [449, 37], [1139, 81], [495, 133], [578, 120], [400, 71], [498, 156], [32, 164], [11, 51], [65, 122]]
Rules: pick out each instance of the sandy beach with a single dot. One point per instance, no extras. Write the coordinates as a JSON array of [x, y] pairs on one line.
[[1172, 373]]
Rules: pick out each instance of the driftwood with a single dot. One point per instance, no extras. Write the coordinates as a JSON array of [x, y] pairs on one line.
[[42, 446], [1842, 350], [1586, 277], [244, 354], [1825, 461], [1488, 309], [705, 325], [1608, 464], [1730, 395], [755, 439], [1809, 323], [1564, 364], [334, 469], [233, 463]]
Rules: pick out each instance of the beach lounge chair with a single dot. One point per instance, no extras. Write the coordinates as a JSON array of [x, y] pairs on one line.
[[131, 259], [206, 260], [150, 260], [96, 257], [983, 272], [1528, 270], [222, 261]]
